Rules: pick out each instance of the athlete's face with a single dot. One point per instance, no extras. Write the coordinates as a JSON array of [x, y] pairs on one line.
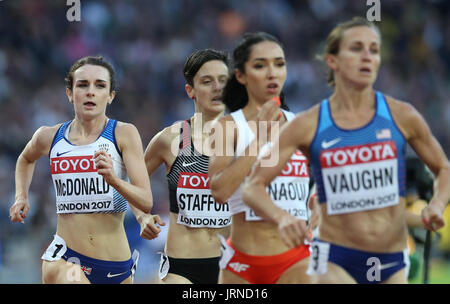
[[265, 72], [358, 59], [91, 90], [208, 86]]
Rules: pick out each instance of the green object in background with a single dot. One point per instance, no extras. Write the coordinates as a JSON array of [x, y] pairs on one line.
[[439, 272], [414, 266]]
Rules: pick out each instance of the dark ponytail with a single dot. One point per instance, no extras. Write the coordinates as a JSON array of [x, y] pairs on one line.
[[283, 105], [235, 95]]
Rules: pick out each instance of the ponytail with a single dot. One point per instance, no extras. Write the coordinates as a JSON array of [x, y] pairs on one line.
[[283, 104], [235, 95]]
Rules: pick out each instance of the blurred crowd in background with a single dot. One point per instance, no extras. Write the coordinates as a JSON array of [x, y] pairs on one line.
[[148, 42]]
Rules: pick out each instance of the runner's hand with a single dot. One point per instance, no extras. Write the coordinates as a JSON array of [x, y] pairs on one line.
[[19, 210], [149, 225], [269, 111], [432, 215], [268, 114], [293, 231], [104, 165]]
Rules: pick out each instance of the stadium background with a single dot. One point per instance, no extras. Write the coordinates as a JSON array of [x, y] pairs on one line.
[[148, 41]]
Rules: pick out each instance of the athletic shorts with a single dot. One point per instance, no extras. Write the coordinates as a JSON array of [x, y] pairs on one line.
[[259, 269], [96, 271], [197, 271], [364, 267]]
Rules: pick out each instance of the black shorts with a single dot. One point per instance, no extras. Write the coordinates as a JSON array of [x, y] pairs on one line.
[[198, 271]]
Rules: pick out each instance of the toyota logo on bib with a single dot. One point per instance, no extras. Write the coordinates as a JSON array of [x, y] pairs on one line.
[[73, 164], [358, 154]]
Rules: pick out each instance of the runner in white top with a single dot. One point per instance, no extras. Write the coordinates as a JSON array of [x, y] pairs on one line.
[[255, 252]]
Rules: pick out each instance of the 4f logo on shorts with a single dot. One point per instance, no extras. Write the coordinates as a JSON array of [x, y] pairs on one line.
[[238, 267]]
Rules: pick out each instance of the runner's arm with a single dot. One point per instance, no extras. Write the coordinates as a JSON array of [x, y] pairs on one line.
[[419, 136], [38, 146], [154, 154], [225, 171], [292, 230], [137, 192]]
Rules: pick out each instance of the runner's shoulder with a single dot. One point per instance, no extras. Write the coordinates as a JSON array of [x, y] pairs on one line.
[[165, 137], [43, 137], [401, 109]]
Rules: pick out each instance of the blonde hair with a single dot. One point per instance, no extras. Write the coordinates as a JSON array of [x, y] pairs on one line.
[[335, 37]]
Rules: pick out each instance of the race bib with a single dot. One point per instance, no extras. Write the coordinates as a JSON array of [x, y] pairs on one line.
[[197, 207], [290, 189], [78, 186], [318, 260], [227, 252], [163, 266], [360, 178], [55, 250]]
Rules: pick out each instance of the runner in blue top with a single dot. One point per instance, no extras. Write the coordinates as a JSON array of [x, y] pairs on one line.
[[97, 166], [355, 141]]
